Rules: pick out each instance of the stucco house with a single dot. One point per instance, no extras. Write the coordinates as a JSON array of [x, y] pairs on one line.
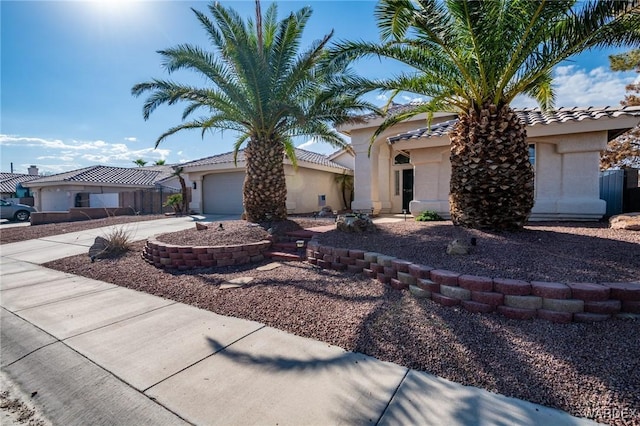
[[10, 184], [217, 182], [105, 187], [407, 167]]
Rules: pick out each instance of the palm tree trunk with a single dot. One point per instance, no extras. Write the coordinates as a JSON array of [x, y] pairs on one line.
[[491, 176], [183, 191], [265, 188]]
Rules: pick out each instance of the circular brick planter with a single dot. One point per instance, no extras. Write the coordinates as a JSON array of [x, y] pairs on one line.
[[170, 256], [515, 299]]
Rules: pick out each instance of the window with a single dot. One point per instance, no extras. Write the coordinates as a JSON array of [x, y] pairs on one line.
[[396, 182], [401, 159], [532, 154]]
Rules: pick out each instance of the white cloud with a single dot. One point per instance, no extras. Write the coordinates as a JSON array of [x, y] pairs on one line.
[[308, 144], [131, 139], [72, 154], [412, 99], [578, 87], [320, 147]]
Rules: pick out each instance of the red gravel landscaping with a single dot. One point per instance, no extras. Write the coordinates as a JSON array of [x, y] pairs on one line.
[[590, 370]]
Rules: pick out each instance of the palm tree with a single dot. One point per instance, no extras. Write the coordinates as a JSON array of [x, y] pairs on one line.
[[177, 172], [139, 162], [160, 162], [264, 88], [473, 58]]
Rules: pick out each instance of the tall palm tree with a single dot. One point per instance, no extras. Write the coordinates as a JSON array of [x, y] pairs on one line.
[[261, 85], [474, 58]]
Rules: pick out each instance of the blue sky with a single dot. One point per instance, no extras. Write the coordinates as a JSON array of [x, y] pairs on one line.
[[67, 68]]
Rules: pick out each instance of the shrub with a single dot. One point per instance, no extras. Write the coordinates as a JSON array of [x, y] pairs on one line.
[[175, 201], [118, 241], [428, 216]]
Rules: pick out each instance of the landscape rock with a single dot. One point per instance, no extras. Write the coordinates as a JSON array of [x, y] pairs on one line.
[[458, 247], [269, 266], [326, 211], [98, 248], [235, 283], [201, 227], [355, 223], [628, 221]]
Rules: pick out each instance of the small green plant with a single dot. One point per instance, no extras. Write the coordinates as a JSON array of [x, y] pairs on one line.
[[428, 216]]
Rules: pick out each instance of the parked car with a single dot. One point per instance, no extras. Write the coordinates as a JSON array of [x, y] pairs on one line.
[[15, 211]]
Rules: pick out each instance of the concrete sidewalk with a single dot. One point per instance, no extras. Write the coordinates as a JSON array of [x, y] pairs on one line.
[[100, 354]]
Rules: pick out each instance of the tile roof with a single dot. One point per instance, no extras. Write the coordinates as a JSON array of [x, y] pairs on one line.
[[8, 181], [302, 155], [529, 116], [139, 176]]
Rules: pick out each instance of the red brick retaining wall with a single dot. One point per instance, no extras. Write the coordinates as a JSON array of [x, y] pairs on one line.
[[163, 255], [516, 299]]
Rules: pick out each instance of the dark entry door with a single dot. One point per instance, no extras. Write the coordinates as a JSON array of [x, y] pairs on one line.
[[407, 188]]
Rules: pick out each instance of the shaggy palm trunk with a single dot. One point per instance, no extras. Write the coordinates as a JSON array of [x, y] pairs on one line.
[[491, 176], [265, 188], [183, 190]]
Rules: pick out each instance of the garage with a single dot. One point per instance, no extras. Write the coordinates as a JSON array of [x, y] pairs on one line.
[[222, 193]]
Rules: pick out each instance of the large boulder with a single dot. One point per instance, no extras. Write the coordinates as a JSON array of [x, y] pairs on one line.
[[355, 223], [628, 221], [99, 248]]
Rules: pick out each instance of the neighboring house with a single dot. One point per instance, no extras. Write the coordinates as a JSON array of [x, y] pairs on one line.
[[217, 182], [10, 183], [408, 167], [105, 187]]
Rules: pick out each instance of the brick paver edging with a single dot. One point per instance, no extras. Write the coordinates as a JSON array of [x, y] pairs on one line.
[[170, 256], [516, 299]]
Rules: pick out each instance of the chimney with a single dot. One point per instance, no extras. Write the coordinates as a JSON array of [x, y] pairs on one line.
[[33, 171]]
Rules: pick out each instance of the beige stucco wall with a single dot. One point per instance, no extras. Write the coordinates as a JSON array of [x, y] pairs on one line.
[[345, 159], [566, 171], [305, 185], [567, 185], [61, 197], [374, 180]]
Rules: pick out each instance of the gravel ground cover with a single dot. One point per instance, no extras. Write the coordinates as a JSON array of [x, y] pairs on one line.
[[589, 370], [556, 252]]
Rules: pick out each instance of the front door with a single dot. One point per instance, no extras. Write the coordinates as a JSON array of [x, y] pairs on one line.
[[407, 188]]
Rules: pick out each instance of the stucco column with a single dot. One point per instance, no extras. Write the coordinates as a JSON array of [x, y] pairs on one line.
[[37, 199], [196, 194], [365, 180], [292, 181], [384, 178]]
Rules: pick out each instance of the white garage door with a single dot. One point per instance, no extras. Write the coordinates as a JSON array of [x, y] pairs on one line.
[[222, 193]]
